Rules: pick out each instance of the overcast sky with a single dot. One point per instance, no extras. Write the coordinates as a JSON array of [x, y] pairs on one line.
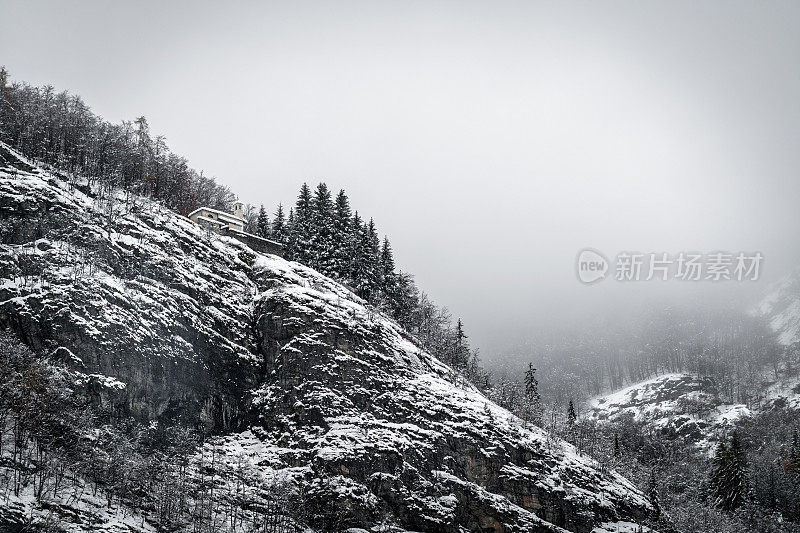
[[491, 141]]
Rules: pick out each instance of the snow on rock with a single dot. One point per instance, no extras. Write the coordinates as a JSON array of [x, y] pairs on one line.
[[679, 405], [730, 413], [350, 393], [621, 527], [691, 407], [296, 374], [150, 299]]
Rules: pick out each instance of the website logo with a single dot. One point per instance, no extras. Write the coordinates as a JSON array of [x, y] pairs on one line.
[[592, 266]]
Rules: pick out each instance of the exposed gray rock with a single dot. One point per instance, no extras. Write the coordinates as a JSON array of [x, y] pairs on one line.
[[168, 322]]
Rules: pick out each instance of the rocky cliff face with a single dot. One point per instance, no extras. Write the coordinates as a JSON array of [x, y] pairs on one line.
[[167, 322], [129, 291]]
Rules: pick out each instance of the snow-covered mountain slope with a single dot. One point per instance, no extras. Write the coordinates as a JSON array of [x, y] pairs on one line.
[[690, 407], [348, 391], [781, 307], [681, 405], [164, 321]]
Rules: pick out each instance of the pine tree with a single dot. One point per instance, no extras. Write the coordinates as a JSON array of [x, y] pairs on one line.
[[354, 248], [366, 278], [729, 475], [407, 300], [571, 419], [533, 400], [374, 243], [143, 150], [290, 236], [460, 353], [387, 276], [321, 242], [387, 262], [738, 480], [652, 495], [617, 451], [720, 465], [302, 227], [262, 223], [279, 226], [342, 237]]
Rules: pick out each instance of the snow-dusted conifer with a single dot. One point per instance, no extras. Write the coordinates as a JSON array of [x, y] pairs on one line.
[[387, 275], [354, 247], [366, 278], [291, 236], [652, 494], [729, 475], [342, 237], [406, 300], [571, 416], [460, 353], [321, 242], [279, 226], [302, 227], [262, 223], [533, 400]]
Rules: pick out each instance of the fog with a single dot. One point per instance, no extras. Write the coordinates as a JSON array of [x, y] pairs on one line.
[[490, 141]]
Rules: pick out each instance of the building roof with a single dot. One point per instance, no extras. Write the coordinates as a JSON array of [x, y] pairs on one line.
[[218, 213]]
